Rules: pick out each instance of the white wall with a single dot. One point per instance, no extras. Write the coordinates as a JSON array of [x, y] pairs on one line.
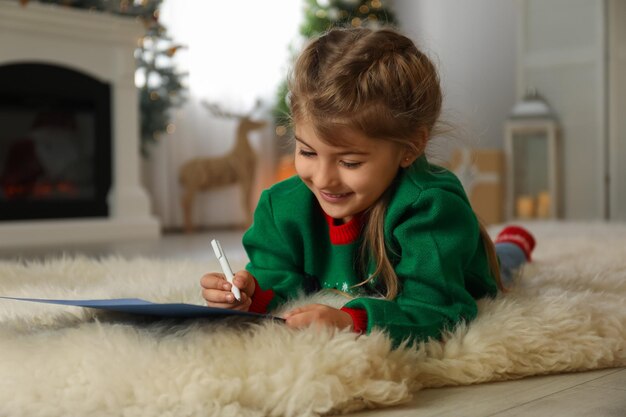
[[617, 109], [474, 43], [563, 54]]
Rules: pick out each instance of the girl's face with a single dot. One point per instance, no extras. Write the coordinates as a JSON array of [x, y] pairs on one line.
[[347, 179]]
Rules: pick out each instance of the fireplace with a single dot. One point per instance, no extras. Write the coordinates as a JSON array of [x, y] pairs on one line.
[[55, 143], [69, 128]]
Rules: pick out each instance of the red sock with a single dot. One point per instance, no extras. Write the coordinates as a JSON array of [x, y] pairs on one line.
[[518, 236]]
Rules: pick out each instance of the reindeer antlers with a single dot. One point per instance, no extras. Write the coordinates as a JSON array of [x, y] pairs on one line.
[[218, 111]]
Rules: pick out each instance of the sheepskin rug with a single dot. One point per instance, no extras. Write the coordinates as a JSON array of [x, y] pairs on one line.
[[566, 313]]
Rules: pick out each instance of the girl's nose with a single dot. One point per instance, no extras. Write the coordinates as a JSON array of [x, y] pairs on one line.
[[325, 176]]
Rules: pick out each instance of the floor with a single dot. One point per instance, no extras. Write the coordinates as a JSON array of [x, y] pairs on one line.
[[599, 393], [176, 245], [587, 394]]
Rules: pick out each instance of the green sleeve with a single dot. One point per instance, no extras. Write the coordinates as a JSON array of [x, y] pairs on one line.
[[272, 259], [435, 238]]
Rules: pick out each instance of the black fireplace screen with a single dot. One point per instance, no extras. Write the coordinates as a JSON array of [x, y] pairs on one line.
[[55, 143]]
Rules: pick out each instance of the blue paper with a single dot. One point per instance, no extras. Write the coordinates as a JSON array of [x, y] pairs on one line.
[[148, 308]]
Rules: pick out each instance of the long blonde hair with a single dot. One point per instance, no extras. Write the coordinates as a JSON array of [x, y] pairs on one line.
[[379, 83]]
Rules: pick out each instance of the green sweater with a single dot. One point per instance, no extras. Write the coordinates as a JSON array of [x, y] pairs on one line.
[[433, 241]]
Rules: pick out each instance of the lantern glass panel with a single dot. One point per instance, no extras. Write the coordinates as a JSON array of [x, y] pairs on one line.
[[531, 163]]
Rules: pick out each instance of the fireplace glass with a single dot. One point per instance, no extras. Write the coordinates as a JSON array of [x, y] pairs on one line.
[[55, 143]]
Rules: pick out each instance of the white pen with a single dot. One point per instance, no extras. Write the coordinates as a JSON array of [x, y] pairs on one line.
[[228, 272]]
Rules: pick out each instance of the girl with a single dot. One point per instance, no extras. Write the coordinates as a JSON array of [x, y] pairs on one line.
[[367, 214]]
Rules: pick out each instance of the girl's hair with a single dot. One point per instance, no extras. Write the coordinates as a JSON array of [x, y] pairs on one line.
[[378, 83]]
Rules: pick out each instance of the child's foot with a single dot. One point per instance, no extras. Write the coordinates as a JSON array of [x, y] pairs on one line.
[[518, 236]]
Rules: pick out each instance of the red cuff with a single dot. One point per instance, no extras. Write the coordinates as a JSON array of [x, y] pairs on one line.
[[260, 299], [359, 318]]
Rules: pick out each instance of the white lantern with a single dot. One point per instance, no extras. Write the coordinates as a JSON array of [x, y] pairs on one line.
[[532, 160]]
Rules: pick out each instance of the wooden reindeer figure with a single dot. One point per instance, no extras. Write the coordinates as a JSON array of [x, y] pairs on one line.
[[237, 166]]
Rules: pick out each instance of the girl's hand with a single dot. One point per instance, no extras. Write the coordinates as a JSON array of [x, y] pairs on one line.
[[320, 315], [216, 290]]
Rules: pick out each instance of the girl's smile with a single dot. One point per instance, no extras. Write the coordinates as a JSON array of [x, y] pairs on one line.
[[335, 198], [347, 178]]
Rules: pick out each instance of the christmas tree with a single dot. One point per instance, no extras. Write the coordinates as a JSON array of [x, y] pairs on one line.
[[159, 83], [321, 15]]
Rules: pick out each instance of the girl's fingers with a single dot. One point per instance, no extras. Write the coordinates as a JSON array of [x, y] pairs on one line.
[[219, 282], [293, 312], [288, 315], [226, 299], [217, 291], [298, 319], [245, 303], [216, 296], [244, 281], [219, 296], [214, 281]]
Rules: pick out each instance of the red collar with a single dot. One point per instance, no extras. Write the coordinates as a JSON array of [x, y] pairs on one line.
[[341, 234]]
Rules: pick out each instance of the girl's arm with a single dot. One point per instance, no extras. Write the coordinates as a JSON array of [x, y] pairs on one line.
[[272, 260], [438, 239]]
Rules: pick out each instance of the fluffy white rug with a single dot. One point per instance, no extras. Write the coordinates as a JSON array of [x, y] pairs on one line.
[[566, 314]]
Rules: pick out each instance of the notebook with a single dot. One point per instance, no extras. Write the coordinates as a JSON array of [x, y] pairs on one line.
[[148, 308]]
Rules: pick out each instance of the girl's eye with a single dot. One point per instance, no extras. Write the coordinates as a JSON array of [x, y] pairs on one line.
[[350, 165], [306, 154]]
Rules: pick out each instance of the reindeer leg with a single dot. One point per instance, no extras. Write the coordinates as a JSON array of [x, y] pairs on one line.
[[246, 201], [187, 205]]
